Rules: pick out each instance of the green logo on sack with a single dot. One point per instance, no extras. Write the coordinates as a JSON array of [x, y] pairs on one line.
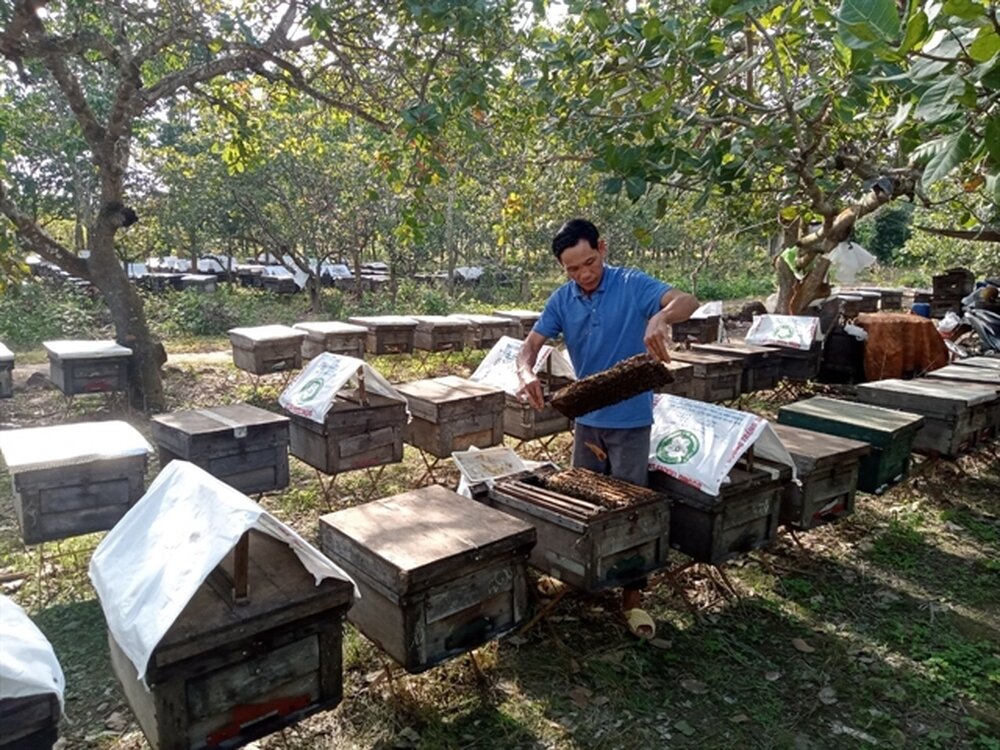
[[784, 331], [678, 447], [309, 390]]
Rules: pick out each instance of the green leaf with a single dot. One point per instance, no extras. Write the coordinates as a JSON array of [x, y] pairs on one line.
[[992, 137], [635, 187], [613, 185], [938, 102], [916, 30], [985, 46], [955, 149], [718, 7], [964, 9], [870, 19], [900, 117]]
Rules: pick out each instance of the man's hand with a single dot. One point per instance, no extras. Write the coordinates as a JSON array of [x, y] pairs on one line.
[[531, 391], [658, 338]]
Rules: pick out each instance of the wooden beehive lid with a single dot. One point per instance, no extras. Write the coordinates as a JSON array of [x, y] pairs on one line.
[[871, 424], [218, 419], [319, 329], [349, 400], [371, 322], [34, 448], [706, 363], [440, 323], [989, 363], [967, 375], [413, 540], [6, 355], [927, 396], [480, 319], [281, 592], [521, 315], [753, 352], [813, 450], [85, 349], [424, 396], [260, 334]]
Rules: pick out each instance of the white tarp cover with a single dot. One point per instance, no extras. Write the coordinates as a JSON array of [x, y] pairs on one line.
[[6, 355], [28, 665], [700, 443], [153, 561], [79, 349], [33, 448], [313, 391], [499, 366], [791, 331]]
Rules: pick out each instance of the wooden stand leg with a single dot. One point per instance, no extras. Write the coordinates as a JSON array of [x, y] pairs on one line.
[[374, 475], [429, 467]]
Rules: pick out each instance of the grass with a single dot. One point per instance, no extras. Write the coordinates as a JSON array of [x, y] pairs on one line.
[[880, 631]]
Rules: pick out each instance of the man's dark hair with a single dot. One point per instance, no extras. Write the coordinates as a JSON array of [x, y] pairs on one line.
[[571, 233]]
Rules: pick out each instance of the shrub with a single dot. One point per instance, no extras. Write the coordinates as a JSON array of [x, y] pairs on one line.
[[37, 311]]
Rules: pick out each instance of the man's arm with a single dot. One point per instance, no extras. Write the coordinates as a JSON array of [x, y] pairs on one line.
[[675, 307], [526, 358]]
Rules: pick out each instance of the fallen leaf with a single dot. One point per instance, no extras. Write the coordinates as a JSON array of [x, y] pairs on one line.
[[772, 676], [739, 718], [660, 643], [828, 696], [684, 728], [601, 700], [116, 722], [801, 645], [580, 696], [517, 640], [694, 686]]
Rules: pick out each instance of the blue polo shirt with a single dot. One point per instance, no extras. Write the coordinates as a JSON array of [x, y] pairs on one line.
[[604, 328]]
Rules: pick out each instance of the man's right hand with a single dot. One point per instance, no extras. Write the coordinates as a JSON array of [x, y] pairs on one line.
[[531, 392]]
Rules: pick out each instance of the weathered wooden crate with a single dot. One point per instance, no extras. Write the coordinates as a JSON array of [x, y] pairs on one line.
[[520, 420], [955, 282], [265, 349], [742, 517], [892, 299], [683, 374], [30, 722], [387, 334], [843, 359], [6, 372], [88, 366], [484, 330], [801, 365], [608, 548], [850, 305], [200, 282], [870, 299], [697, 330], [452, 414], [715, 377], [827, 468], [355, 435], [279, 284], [244, 446], [332, 336], [890, 433], [439, 574], [225, 674], [959, 374], [956, 416], [521, 321], [439, 333], [73, 479], [761, 364], [989, 363]]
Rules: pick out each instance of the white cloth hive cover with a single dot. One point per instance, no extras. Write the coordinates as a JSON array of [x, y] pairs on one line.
[[86, 349], [499, 366], [700, 443], [153, 561], [28, 665], [34, 448], [792, 331], [313, 391], [267, 333]]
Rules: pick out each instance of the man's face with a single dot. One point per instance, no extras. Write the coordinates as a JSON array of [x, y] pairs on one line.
[[584, 264]]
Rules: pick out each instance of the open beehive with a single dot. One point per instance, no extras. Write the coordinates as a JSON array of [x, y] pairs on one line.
[[594, 532], [628, 378]]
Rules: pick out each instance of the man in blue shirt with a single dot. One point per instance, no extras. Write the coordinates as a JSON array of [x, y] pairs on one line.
[[605, 314]]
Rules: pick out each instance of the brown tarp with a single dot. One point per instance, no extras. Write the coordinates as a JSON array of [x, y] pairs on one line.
[[901, 345]]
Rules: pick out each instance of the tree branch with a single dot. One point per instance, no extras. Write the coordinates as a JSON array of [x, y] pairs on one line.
[[983, 234], [40, 241]]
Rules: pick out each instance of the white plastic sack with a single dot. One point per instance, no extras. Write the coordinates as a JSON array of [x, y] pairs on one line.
[[707, 310], [792, 331], [700, 443], [153, 561], [28, 665], [846, 259], [313, 391], [499, 366], [949, 322]]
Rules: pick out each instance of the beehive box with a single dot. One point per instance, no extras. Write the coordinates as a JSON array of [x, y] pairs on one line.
[[265, 349], [959, 374], [892, 299], [697, 330], [439, 574], [761, 364], [827, 467], [843, 359], [800, 365], [279, 284], [957, 416], [30, 722], [73, 479], [244, 446], [334, 337], [522, 421], [6, 372], [484, 330], [683, 374], [88, 366], [439, 333], [452, 414], [715, 377], [850, 305], [989, 363], [200, 282], [588, 544], [356, 433], [387, 334], [890, 433], [870, 299], [955, 282], [521, 321], [225, 674], [742, 517]]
